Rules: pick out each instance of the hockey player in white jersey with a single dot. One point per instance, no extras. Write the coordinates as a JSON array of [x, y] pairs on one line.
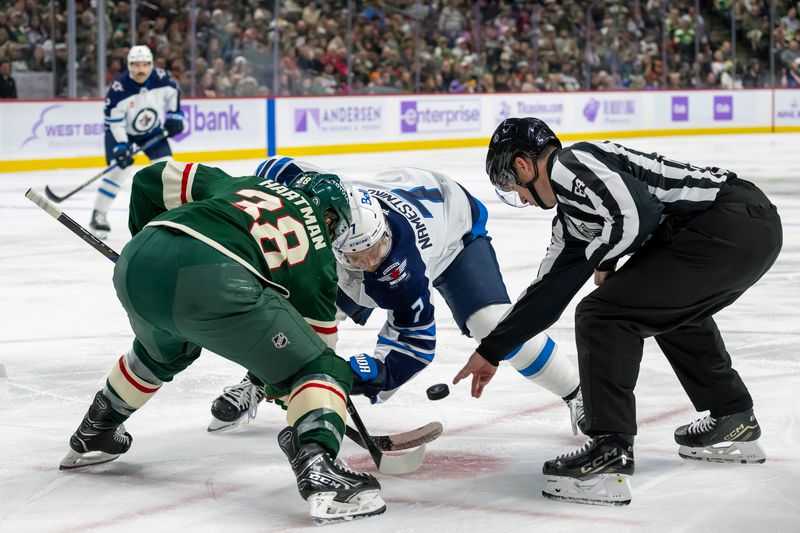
[[134, 104], [414, 230]]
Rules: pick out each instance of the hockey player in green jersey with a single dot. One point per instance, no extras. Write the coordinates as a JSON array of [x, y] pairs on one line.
[[243, 267]]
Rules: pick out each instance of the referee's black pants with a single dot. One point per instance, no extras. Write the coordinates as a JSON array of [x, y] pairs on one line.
[[669, 290]]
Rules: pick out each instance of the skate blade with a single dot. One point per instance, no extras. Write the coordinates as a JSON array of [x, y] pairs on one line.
[[218, 426], [726, 452], [75, 459], [325, 510], [604, 489]]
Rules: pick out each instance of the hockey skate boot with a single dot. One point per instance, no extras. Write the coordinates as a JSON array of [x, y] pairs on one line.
[[235, 403], [99, 224], [576, 414], [599, 473], [98, 439], [333, 491], [727, 439]]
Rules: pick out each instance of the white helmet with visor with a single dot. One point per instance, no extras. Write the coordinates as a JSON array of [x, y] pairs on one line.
[[369, 238]]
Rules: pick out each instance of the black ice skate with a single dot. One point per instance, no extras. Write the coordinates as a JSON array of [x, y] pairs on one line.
[[334, 492], [99, 224], [236, 402], [576, 416], [599, 473], [727, 439], [98, 439]]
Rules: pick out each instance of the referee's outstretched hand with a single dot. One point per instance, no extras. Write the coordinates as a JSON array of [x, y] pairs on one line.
[[482, 372]]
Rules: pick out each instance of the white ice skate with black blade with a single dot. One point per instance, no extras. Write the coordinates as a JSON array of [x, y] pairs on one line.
[[333, 491], [99, 224], [598, 474], [576, 414], [98, 440], [236, 403], [727, 439]]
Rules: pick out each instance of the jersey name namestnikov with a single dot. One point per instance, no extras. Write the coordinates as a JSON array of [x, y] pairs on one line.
[[135, 110], [275, 232]]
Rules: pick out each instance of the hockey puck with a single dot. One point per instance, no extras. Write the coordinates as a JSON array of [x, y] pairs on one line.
[[438, 391]]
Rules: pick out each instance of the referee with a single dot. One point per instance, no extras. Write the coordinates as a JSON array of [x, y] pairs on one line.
[[698, 238]]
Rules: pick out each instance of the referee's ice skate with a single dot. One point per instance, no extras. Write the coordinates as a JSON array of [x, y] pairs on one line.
[[598, 473], [727, 439], [334, 492]]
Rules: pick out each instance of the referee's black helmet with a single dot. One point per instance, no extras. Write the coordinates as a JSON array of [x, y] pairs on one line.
[[516, 136]]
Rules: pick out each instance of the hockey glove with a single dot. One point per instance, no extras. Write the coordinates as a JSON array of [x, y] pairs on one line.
[[123, 155], [369, 376], [174, 123]]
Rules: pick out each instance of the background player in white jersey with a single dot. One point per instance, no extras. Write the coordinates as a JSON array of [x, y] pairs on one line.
[[134, 104], [414, 230]]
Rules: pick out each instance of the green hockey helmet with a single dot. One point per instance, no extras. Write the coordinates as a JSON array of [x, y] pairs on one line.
[[327, 193]]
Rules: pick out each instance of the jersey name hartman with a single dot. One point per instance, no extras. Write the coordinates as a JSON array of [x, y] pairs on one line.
[[312, 227], [411, 214]]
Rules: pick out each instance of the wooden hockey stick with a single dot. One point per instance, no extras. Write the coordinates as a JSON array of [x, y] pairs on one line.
[[387, 464], [58, 199]]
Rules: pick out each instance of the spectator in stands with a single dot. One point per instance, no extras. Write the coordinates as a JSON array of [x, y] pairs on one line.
[[789, 54], [790, 22], [8, 87], [791, 76], [38, 61]]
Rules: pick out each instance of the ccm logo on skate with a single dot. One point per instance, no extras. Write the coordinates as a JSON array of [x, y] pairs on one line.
[[738, 431], [323, 480], [603, 461]]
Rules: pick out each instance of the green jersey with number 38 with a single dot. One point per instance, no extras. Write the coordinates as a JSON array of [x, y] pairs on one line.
[[273, 231]]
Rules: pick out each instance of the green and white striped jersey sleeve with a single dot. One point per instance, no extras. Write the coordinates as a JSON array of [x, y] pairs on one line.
[[164, 186]]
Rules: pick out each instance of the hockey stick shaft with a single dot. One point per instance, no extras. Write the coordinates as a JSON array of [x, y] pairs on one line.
[[396, 465], [373, 450], [71, 225], [58, 199]]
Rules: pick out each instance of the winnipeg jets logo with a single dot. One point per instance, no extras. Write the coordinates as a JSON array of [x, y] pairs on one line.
[[280, 340], [116, 86], [395, 273], [578, 188], [145, 120]]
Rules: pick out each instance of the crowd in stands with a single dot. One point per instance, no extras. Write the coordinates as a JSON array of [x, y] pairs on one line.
[[434, 46]]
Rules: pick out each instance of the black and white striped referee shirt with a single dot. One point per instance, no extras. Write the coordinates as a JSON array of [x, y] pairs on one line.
[[610, 200]]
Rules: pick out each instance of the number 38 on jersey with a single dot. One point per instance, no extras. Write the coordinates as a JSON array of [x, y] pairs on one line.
[[282, 239]]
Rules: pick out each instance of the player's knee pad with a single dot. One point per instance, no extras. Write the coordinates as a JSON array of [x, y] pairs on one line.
[[483, 321], [130, 384], [537, 359], [317, 403]]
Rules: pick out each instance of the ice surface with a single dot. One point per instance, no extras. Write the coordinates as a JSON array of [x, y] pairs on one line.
[[61, 329]]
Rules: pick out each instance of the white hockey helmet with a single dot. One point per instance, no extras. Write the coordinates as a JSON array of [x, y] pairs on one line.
[[369, 238], [139, 53]]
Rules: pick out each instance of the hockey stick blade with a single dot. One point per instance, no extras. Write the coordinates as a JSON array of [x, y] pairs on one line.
[[400, 441], [387, 464], [396, 465]]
